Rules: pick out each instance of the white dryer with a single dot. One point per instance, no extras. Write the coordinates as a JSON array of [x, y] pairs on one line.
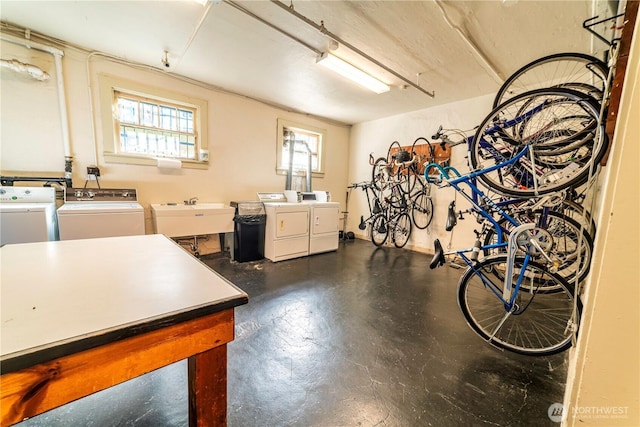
[[287, 227], [324, 235], [324, 215]]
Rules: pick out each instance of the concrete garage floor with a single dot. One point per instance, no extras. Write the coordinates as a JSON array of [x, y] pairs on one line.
[[363, 336]]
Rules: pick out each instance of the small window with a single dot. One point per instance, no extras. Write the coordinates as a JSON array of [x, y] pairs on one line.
[[141, 124], [155, 128], [304, 143]]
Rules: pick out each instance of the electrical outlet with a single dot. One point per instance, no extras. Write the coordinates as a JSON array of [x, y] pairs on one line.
[[93, 170]]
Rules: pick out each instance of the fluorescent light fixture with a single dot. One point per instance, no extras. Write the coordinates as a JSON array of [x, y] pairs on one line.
[[203, 2], [349, 71]]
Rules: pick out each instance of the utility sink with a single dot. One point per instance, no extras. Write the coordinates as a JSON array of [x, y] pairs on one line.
[[192, 220]]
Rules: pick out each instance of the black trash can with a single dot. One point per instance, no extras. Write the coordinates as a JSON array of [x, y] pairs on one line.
[[248, 231]]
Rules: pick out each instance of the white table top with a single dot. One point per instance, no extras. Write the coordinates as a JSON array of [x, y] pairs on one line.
[[55, 294]]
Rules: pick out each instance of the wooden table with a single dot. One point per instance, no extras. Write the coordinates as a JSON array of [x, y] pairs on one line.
[[80, 316]]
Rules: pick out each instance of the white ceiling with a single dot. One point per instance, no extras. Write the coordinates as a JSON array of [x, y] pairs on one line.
[[460, 49]]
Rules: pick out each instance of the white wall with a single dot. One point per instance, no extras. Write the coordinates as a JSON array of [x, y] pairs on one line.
[[242, 139], [37, 146], [376, 136], [604, 372]]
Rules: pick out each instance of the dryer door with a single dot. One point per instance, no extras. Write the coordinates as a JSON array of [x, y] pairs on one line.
[[290, 224], [325, 219]]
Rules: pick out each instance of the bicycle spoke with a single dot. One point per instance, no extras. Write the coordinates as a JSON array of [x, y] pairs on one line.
[[560, 129], [537, 324]]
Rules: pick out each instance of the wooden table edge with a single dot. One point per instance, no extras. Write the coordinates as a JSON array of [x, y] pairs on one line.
[[31, 391]]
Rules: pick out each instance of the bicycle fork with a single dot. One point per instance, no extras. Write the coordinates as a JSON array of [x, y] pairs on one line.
[[507, 294]]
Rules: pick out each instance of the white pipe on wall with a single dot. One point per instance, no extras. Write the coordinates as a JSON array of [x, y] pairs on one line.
[[62, 101]]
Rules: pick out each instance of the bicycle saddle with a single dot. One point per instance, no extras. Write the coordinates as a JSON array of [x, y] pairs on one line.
[[451, 217], [438, 255]]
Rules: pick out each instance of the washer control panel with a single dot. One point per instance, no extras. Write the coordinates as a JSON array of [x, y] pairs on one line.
[[27, 194], [100, 195]]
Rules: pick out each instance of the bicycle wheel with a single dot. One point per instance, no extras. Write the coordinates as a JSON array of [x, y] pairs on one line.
[[379, 230], [401, 230], [560, 234], [540, 324], [380, 174], [422, 210], [578, 213], [560, 131], [577, 71], [406, 179], [394, 197]]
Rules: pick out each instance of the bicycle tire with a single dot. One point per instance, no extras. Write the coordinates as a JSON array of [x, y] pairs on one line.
[[379, 230], [577, 71], [402, 228], [547, 128], [380, 174], [394, 197], [422, 211], [390, 157], [541, 324], [407, 179], [565, 232]]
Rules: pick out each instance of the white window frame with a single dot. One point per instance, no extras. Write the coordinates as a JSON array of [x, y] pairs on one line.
[[108, 85], [283, 169]]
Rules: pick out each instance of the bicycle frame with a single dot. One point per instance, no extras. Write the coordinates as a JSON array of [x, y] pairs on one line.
[[372, 200], [507, 297]]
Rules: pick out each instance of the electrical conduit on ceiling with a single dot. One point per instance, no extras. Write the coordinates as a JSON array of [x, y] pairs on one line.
[[323, 30], [326, 32], [269, 24], [62, 101]]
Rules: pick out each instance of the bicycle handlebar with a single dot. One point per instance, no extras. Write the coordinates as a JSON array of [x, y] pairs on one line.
[[438, 133], [407, 163], [363, 185], [443, 172], [443, 136]]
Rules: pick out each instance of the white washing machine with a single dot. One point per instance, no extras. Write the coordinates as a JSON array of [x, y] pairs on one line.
[[92, 213], [28, 214], [287, 227]]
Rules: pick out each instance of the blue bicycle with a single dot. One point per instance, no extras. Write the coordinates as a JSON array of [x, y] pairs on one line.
[[536, 144]]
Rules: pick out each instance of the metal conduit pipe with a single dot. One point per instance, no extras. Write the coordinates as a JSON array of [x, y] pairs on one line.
[[62, 101], [323, 30], [269, 24]]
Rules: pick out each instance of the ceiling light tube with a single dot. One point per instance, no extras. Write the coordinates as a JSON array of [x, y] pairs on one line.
[[349, 71]]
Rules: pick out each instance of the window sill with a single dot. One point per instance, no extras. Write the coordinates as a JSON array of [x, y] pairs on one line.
[[147, 161], [300, 173]]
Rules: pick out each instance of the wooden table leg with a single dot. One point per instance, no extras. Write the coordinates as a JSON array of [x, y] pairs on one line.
[[33, 390], [208, 388]]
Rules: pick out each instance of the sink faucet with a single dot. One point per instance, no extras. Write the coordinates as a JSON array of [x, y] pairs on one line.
[[191, 201]]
